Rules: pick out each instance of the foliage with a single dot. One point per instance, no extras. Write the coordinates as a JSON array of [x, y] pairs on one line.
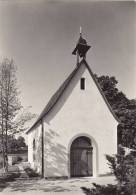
[[1, 164], [101, 190], [30, 172], [12, 115], [9, 103], [11, 176], [19, 158], [21, 121], [122, 165], [21, 142], [123, 168], [124, 108], [14, 145]]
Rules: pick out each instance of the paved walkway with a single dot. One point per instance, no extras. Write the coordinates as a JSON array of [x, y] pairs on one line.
[[54, 187], [35, 186]]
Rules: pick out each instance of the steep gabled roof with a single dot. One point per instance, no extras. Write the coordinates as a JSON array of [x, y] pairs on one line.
[[55, 98]]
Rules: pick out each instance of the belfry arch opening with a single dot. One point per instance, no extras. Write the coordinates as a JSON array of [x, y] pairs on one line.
[[81, 157]]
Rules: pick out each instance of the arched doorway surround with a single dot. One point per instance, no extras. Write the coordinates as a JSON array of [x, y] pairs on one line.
[[83, 156], [81, 152]]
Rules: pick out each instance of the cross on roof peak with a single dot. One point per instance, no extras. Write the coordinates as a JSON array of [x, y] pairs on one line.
[[80, 31]]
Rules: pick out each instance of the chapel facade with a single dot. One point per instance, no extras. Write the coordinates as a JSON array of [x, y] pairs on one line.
[[76, 129]]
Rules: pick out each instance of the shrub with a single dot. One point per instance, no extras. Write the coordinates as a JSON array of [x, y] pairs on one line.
[[101, 190], [107, 190], [9, 177], [30, 172], [1, 164], [122, 167], [19, 158]]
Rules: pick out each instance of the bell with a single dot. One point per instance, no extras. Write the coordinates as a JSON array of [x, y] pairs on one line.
[[81, 47]]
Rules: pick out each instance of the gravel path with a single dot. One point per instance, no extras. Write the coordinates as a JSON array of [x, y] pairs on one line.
[[54, 187]]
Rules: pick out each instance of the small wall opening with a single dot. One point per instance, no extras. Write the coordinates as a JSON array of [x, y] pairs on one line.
[[82, 83]]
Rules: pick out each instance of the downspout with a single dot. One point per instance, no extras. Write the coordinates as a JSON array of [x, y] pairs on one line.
[[42, 148]]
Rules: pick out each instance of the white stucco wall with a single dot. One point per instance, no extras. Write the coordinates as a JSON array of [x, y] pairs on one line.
[[35, 134], [79, 112]]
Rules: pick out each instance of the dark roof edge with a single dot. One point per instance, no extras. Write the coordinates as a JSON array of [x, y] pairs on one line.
[[69, 78], [101, 92]]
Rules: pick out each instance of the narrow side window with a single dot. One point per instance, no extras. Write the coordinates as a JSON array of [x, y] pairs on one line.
[[34, 150], [82, 83], [34, 144]]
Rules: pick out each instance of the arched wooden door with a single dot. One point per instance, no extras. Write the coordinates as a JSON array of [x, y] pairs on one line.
[[81, 157]]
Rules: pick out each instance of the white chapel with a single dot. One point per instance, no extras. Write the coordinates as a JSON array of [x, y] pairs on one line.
[[76, 129]]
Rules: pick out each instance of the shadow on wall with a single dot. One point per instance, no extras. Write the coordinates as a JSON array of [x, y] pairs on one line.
[[62, 95], [55, 156], [37, 155]]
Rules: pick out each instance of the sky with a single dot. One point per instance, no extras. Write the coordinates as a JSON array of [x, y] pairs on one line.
[[40, 36]]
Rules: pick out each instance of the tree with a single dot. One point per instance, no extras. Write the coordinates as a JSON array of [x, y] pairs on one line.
[[22, 119], [10, 107], [21, 142], [124, 109], [9, 102], [123, 168], [14, 145]]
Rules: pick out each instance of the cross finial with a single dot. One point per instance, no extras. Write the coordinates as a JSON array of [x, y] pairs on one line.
[[80, 31]]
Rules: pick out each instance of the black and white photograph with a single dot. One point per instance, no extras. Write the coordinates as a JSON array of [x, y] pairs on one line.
[[67, 97]]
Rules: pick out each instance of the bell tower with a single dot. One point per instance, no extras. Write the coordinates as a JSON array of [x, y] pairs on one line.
[[81, 48]]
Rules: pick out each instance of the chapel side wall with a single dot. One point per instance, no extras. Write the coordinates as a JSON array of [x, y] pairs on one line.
[[79, 113], [36, 134]]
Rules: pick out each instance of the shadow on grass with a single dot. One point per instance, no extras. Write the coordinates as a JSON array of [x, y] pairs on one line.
[[33, 185], [3, 185], [10, 177], [102, 190]]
